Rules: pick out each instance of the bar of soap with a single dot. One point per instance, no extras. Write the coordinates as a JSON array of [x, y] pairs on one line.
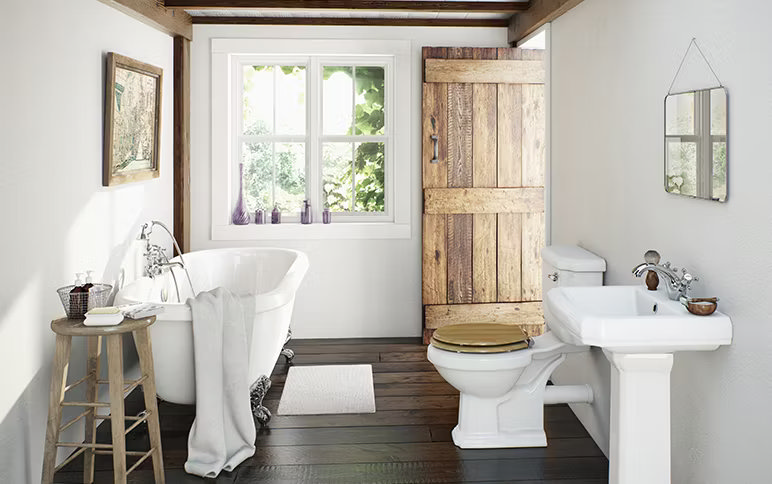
[[105, 310]]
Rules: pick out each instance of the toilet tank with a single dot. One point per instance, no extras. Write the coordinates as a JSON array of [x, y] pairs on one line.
[[570, 265]]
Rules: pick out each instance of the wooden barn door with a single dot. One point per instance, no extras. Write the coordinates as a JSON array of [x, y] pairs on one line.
[[483, 184]]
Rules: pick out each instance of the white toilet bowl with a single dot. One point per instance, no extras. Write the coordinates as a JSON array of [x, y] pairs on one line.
[[501, 402], [502, 394]]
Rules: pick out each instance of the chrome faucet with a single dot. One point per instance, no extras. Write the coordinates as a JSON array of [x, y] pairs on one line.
[[156, 260], [676, 285]]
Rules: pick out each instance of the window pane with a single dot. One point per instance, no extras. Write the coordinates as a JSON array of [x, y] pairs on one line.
[[258, 175], [290, 100], [681, 167], [369, 100], [718, 112], [679, 114], [336, 176], [338, 99], [274, 170], [719, 170], [369, 177], [258, 100], [290, 173]]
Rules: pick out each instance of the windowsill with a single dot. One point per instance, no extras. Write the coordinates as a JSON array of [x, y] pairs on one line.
[[315, 231]]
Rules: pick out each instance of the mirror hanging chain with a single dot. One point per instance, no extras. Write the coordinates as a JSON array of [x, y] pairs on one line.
[[683, 59]]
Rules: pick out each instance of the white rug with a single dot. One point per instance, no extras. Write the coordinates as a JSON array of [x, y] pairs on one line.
[[328, 389]]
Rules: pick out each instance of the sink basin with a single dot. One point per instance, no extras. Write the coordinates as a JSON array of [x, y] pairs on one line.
[[631, 319]]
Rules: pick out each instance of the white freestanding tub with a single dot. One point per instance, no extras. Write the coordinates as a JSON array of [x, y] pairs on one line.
[[269, 277]]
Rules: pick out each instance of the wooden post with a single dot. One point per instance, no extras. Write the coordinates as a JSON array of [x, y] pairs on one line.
[[182, 142]]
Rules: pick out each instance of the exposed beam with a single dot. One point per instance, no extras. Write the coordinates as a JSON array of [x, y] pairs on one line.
[[541, 12], [435, 6], [152, 13], [182, 142], [403, 22]]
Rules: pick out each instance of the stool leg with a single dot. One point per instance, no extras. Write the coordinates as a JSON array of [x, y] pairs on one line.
[[145, 350], [92, 368], [115, 375], [56, 396]]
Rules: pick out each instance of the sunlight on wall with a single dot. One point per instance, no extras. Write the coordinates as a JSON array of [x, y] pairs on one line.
[[24, 342]]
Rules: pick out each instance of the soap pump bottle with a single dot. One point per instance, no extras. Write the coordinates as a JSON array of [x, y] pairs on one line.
[[78, 297], [89, 281]]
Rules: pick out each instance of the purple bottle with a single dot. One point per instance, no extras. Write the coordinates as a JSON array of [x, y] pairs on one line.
[[305, 215], [275, 215], [240, 215], [259, 216], [326, 216]]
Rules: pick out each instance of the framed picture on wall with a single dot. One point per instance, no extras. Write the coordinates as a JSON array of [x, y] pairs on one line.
[[132, 120]]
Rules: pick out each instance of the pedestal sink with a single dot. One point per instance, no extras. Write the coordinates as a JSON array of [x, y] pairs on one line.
[[639, 330]]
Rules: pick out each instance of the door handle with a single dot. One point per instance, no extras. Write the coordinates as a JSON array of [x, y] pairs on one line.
[[435, 139]]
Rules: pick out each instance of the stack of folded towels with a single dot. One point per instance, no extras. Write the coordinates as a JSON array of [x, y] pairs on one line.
[[111, 315]]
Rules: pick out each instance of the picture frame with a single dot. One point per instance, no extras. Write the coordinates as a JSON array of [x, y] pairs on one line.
[[132, 121]]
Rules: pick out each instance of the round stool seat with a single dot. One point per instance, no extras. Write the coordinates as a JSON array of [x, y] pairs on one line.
[[480, 338], [75, 327]]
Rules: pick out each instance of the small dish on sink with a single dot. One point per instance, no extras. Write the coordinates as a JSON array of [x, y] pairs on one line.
[[700, 306]]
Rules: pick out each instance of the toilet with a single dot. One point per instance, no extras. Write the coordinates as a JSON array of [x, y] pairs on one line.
[[502, 375]]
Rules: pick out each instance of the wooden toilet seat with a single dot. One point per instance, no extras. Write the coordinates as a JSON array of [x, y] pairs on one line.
[[480, 338]]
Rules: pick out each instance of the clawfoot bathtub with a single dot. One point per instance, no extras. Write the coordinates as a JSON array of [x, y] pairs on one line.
[[265, 277]]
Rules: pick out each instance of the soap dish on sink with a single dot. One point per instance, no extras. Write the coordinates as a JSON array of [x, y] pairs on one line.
[[701, 306]]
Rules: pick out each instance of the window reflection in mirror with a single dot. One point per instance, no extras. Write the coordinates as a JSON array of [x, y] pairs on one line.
[[696, 143]]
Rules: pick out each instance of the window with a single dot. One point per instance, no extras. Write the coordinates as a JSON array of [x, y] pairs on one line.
[[319, 126]]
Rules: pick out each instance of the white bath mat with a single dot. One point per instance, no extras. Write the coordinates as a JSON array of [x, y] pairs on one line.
[[328, 389]]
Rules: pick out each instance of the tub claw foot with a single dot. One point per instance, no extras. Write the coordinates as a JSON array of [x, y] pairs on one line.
[[256, 394], [289, 354], [286, 352]]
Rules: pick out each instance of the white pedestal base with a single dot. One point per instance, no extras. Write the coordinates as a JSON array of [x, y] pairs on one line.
[[639, 443]]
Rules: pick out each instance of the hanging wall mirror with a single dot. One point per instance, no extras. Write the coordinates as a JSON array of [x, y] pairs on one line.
[[696, 144]]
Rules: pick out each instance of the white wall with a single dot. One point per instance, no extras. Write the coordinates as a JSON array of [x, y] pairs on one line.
[[612, 63], [56, 216], [354, 288]]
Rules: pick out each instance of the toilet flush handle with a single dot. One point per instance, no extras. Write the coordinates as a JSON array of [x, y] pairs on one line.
[[553, 277]]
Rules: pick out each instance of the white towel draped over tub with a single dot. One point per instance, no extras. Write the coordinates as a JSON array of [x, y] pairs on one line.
[[223, 433]]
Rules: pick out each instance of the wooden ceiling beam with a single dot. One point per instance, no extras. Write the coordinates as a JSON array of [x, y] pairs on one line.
[[371, 21], [430, 5], [172, 22], [541, 12]]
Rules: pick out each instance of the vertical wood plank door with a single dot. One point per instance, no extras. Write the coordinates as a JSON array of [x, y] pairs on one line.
[[483, 165]]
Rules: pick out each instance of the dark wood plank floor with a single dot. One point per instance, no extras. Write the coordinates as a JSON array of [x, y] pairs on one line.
[[406, 441]]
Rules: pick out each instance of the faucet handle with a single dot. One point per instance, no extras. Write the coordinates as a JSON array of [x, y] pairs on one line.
[[688, 278], [651, 256]]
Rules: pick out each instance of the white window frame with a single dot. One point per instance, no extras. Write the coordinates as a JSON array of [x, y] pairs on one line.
[[228, 57]]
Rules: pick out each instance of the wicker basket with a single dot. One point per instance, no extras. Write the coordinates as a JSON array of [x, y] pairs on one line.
[[78, 303]]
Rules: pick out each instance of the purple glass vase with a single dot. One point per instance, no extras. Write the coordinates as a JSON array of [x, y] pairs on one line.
[[240, 215]]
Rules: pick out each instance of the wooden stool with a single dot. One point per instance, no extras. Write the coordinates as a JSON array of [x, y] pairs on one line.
[[65, 329]]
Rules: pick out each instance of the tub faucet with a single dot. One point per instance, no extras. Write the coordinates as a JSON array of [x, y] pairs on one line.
[[155, 257], [676, 285]]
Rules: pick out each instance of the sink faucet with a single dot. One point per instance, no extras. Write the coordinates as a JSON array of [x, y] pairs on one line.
[[676, 285]]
